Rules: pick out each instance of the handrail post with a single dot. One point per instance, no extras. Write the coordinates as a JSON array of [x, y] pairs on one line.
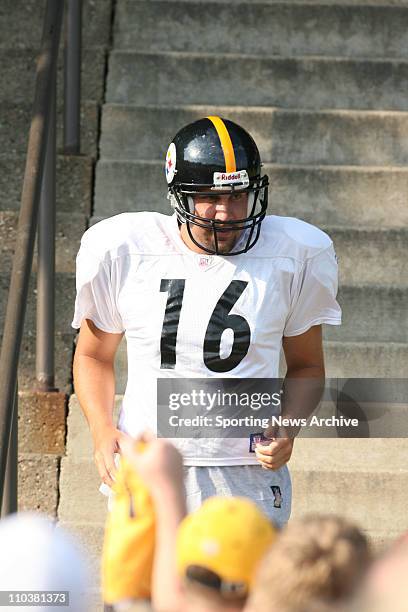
[[72, 78], [45, 338], [11, 481]]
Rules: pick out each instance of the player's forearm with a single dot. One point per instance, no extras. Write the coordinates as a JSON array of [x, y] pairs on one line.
[[94, 383], [302, 391]]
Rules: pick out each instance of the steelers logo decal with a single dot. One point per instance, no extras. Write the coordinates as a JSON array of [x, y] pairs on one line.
[[171, 162]]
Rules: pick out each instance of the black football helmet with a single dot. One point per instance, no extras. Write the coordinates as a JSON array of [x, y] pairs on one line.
[[213, 156]]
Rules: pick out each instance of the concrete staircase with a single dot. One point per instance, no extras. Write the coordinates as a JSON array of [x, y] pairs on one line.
[[319, 86], [322, 88]]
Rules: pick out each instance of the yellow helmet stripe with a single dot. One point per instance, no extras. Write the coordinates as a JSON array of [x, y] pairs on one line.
[[226, 144]]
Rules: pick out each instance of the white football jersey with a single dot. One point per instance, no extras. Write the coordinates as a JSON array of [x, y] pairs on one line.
[[136, 275]]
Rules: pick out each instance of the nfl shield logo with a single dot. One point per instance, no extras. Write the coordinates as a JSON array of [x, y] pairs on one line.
[[204, 261]]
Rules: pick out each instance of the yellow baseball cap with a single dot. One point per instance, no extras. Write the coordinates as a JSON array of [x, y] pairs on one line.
[[227, 537], [128, 549]]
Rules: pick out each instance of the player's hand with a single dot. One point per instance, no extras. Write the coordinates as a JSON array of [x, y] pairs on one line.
[[273, 454], [106, 441], [159, 465]]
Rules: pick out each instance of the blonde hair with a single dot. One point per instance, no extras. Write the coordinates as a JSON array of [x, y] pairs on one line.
[[315, 558]]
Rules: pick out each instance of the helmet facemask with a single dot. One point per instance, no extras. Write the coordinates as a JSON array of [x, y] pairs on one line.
[[182, 199]]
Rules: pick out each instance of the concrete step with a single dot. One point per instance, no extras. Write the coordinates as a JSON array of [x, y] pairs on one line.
[[283, 136], [262, 28], [360, 496], [371, 313], [80, 499], [344, 359], [371, 256], [21, 23], [361, 479], [323, 195], [18, 69], [38, 476], [312, 82], [69, 229], [74, 183], [388, 3], [15, 127], [353, 456]]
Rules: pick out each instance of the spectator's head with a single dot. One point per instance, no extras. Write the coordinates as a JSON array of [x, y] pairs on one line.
[[218, 550], [35, 555], [386, 585], [317, 558]]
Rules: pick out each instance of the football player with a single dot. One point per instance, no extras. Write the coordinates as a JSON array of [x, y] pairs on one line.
[[173, 284]]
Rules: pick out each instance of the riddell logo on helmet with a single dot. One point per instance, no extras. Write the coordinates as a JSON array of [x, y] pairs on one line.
[[230, 177], [225, 178]]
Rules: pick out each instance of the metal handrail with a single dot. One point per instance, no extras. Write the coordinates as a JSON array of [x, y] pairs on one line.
[[72, 78], [37, 202]]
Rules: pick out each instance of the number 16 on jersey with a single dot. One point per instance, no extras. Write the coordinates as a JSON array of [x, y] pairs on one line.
[[220, 320]]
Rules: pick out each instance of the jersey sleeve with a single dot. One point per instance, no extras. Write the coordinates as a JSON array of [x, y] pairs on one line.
[[315, 297], [95, 295]]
